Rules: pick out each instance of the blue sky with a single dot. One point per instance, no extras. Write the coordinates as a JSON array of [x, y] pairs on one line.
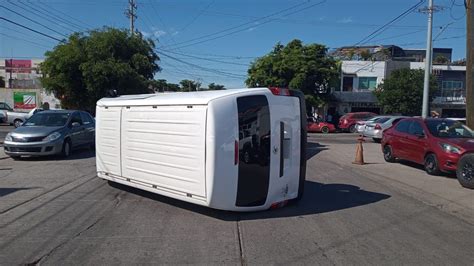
[[179, 26]]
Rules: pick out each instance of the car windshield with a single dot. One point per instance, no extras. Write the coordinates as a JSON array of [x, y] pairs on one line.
[[48, 119], [449, 129]]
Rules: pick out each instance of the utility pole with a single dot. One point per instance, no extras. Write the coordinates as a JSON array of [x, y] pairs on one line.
[[131, 13], [428, 62], [470, 63]]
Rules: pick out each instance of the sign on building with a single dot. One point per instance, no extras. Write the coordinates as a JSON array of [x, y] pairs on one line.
[[17, 66], [24, 100]]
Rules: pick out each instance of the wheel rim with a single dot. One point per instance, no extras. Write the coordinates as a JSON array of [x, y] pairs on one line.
[[325, 130], [430, 163], [467, 172], [352, 129], [17, 123], [387, 152], [246, 157]]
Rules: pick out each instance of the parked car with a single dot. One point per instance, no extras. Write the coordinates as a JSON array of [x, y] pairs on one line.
[[436, 143], [465, 171], [51, 132], [360, 125], [4, 108], [375, 128], [348, 121], [315, 126], [17, 118]]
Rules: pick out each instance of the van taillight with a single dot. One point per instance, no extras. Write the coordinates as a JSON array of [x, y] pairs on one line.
[[279, 91], [236, 152]]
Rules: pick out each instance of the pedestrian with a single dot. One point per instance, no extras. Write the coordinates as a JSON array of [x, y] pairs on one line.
[[434, 114]]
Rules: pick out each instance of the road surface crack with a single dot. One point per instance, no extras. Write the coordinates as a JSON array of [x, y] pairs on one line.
[[239, 237]]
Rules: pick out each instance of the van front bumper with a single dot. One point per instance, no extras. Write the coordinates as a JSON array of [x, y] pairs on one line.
[[33, 148]]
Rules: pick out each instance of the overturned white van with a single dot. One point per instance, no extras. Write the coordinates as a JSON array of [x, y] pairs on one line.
[[239, 150]]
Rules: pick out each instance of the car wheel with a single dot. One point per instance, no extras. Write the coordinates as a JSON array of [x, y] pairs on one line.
[[66, 152], [388, 154], [352, 129], [17, 123], [376, 140], [431, 164], [247, 157], [465, 171], [325, 130]]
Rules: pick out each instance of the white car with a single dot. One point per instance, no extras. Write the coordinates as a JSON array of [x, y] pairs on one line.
[[17, 118]]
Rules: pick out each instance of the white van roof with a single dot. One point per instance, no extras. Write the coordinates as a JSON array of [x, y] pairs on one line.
[[175, 98]]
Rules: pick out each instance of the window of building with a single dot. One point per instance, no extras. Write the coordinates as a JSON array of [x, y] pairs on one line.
[[367, 83], [452, 84], [347, 83]]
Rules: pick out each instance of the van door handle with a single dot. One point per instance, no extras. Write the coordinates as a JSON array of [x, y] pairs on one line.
[[282, 137]]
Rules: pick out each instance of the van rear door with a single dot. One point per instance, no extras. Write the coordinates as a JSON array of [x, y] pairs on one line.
[[164, 146]]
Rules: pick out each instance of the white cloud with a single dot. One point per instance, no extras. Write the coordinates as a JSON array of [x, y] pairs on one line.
[[159, 33], [251, 29], [145, 34], [175, 33], [345, 20]]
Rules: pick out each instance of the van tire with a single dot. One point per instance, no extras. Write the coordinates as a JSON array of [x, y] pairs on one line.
[[325, 130], [465, 171]]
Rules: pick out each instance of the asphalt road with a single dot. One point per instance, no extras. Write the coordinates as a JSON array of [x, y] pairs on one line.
[[57, 212], [4, 129]]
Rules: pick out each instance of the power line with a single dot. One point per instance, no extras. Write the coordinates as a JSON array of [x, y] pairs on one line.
[[25, 40], [30, 29], [88, 26], [206, 59], [36, 22], [215, 71], [48, 13], [386, 25], [244, 24], [43, 15]]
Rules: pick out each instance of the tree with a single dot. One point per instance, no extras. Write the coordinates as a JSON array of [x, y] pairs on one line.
[[365, 54], [402, 92], [296, 66], [161, 85], [441, 60], [189, 85], [82, 70], [2, 82], [215, 87]]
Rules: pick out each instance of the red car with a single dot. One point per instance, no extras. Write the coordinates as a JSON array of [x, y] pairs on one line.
[[348, 121], [436, 143], [320, 127]]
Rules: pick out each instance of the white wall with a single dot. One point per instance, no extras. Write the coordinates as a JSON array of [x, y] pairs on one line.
[[364, 69]]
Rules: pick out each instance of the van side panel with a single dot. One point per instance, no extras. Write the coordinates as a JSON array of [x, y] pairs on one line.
[[108, 140], [221, 173], [165, 146]]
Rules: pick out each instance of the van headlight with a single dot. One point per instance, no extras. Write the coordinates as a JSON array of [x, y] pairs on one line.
[[52, 136], [450, 148], [8, 137]]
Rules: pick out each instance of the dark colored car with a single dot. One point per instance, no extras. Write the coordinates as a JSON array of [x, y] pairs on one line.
[[348, 121], [315, 126], [51, 132], [436, 143]]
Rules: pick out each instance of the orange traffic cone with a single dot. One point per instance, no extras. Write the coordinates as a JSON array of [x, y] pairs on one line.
[[359, 159]]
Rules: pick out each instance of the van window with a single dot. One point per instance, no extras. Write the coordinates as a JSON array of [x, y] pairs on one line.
[[254, 150]]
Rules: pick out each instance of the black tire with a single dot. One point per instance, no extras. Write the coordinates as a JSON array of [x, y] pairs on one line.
[[16, 157], [324, 130], [388, 154], [465, 171], [431, 164], [376, 140], [352, 129], [17, 123], [67, 148]]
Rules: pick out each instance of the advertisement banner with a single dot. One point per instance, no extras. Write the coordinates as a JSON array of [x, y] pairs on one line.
[[24, 100], [17, 66]]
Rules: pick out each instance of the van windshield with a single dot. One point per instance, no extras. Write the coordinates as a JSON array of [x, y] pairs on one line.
[[48, 119]]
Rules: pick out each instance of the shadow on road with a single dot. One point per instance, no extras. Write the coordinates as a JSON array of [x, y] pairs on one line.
[[313, 149], [9, 190], [422, 168], [318, 198]]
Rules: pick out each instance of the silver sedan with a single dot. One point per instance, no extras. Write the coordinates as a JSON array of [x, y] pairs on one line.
[[375, 129], [51, 132]]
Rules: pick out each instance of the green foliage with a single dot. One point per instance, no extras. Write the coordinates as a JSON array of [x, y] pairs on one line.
[[82, 70], [441, 60], [295, 66], [215, 87], [189, 85], [402, 92], [365, 54], [161, 85]]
